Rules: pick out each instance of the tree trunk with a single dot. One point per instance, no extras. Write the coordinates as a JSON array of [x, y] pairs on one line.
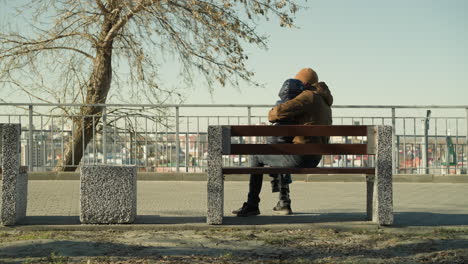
[[98, 88]]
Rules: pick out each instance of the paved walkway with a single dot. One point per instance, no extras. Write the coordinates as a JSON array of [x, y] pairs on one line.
[[166, 202]]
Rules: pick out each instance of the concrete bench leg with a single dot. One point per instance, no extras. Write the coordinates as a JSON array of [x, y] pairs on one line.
[[108, 194], [215, 197], [217, 139], [382, 212], [14, 179]]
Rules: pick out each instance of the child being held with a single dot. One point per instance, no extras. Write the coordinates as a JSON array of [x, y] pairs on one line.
[[289, 90]]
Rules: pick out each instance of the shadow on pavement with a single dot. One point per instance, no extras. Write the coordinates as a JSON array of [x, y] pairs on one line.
[[50, 220], [296, 218], [157, 219], [402, 219]]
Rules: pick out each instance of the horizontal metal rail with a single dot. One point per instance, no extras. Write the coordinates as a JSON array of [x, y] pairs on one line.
[[235, 105], [146, 135]]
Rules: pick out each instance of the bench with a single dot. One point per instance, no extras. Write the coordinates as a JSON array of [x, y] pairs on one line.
[[379, 178]]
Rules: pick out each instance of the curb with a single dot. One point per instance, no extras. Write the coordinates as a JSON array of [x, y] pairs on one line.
[[339, 226], [152, 176]]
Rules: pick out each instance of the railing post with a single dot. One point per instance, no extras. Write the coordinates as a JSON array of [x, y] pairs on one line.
[[426, 143], [394, 146], [397, 158], [466, 137], [447, 155], [177, 141], [187, 146], [104, 140], [31, 146]]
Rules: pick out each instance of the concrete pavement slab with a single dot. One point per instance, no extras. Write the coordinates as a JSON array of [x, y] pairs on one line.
[[182, 204]]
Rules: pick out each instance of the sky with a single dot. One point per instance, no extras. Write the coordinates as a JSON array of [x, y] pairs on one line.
[[400, 52], [369, 52]]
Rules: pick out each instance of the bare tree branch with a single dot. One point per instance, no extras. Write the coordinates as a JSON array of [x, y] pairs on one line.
[[84, 51], [102, 7], [24, 51]]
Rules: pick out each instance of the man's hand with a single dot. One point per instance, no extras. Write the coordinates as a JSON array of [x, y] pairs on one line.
[[292, 108]]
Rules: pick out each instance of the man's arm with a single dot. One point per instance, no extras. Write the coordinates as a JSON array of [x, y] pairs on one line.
[[292, 108]]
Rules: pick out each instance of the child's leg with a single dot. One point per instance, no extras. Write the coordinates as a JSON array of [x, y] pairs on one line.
[[284, 198], [284, 204], [275, 182]]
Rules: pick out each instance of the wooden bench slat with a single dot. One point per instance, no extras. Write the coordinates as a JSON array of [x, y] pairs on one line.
[[279, 170], [298, 149], [295, 130]]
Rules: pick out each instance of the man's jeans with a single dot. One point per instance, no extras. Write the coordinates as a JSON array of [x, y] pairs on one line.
[[289, 161]]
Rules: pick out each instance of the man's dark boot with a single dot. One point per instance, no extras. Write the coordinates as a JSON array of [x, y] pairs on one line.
[[250, 208], [247, 210], [283, 206]]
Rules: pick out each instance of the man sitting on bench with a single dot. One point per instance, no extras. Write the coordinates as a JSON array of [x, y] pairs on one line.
[[311, 107]]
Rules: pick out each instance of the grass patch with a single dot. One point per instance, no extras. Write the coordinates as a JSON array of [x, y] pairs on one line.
[[24, 236], [57, 259], [228, 245], [227, 255], [244, 236], [36, 235], [280, 241]]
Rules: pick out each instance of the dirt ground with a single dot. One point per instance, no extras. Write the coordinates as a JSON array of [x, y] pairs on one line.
[[225, 245]]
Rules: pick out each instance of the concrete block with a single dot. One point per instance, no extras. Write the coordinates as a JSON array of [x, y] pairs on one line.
[[14, 181], [218, 140], [382, 203], [108, 194]]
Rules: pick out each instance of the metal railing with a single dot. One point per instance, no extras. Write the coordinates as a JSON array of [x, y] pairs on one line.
[[166, 138]]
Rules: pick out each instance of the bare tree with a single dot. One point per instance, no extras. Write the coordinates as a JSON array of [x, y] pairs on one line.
[[71, 49]]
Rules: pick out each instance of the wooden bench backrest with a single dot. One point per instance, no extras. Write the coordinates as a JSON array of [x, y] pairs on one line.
[[301, 149], [298, 149]]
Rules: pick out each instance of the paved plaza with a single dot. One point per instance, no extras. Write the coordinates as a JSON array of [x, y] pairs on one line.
[[184, 202]]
